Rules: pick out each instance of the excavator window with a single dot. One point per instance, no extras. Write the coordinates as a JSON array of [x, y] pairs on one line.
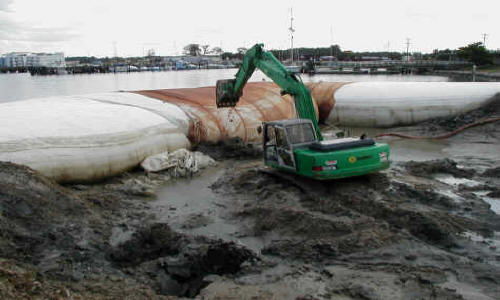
[[270, 136], [281, 138], [301, 133], [283, 147], [270, 151]]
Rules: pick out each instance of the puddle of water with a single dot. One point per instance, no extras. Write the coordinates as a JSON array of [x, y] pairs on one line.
[[453, 181], [486, 152], [190, 206], [494, 203], [404, 149], [493, 241]]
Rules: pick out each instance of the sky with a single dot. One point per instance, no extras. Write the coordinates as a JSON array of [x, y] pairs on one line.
[[131, 27]]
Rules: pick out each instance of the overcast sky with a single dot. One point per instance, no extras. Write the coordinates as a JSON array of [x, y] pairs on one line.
[[93, 27]]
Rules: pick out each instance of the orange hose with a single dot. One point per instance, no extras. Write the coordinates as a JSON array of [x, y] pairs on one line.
[[444, 136]]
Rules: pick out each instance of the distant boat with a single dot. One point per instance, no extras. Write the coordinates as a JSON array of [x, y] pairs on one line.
[[61, 71], [293, 68]]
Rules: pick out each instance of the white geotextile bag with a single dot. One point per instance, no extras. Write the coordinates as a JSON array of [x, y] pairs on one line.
[[388, 104], [79, 138], [169, 111], [179, 163]]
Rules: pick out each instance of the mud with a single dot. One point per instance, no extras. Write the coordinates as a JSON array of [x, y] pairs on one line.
[[178, 263], [493, 172], [392, 225], [424, 229], [233, 148], [491, 109], [56, 242], [428, 168], [390, 235]]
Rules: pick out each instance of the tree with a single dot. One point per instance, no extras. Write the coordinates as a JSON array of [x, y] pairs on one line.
[[205, 49], [216, 51], [241, 52], [192, 49], [475, 53], [335, 50], [228, 55]]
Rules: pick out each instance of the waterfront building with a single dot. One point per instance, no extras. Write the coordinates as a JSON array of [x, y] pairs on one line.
[[27, 59], [15, 59]]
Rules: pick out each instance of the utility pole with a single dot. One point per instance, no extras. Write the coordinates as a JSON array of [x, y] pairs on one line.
[[484, 39], [408, 49], [331, 41], [115, 51], [292, 30]]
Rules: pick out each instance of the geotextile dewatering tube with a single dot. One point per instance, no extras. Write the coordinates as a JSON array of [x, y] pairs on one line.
[[260, 102], [89, 137], [392, 104]]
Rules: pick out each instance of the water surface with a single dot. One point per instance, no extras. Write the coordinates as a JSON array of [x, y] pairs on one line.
[[21, 86]]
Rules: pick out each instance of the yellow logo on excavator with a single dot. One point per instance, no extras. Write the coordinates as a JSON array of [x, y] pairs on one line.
[[352, 159]]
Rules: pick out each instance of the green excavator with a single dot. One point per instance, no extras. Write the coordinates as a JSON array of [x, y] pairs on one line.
[[297, 145]]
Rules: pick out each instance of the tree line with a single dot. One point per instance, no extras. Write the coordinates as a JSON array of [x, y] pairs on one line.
[[475, 53]]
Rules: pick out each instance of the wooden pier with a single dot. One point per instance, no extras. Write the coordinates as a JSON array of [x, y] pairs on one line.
[[390, 67]]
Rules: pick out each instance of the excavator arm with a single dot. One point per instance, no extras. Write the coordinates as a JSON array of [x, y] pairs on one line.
[[229, 91]]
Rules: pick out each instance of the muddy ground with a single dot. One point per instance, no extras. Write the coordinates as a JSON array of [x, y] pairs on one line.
[[424, 229]]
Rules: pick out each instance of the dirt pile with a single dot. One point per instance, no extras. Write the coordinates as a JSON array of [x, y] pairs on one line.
[[178, 263], [41, 222], [350, 215], [234, 148], [492, 109], [395, 222], [429, 168], [55, 243], [493, 172], [481, 124]]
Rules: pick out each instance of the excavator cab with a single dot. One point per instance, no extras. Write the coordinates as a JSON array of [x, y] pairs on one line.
[[293, 146], [282, 137]]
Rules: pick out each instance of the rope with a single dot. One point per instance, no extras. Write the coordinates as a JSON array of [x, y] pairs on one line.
[[443, 136]]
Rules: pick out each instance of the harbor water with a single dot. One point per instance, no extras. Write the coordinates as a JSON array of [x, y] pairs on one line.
[[14, 87]]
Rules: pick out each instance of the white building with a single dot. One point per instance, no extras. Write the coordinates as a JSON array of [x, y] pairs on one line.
[[15, 59], [26, 59]]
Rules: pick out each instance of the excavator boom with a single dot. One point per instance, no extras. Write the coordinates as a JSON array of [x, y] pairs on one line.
[[229, 91], [297, 145]]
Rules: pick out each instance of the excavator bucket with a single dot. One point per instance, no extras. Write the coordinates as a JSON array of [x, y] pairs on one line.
[[225, 96]]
